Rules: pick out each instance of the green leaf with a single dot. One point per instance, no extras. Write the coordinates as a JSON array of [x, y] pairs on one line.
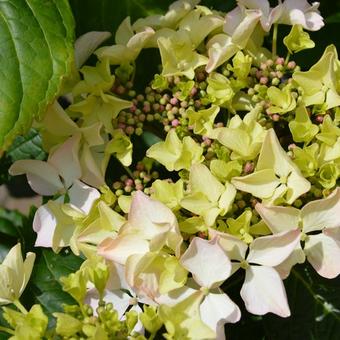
[[150, 138], [3, 322], [10, 221], [46, 274], [36, 52], [27, 147], [16, 227], [333, 19], [315, 306], [57, 265], [4, 249]]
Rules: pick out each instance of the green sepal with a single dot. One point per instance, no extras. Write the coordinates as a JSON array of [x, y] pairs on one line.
[[297, 40]]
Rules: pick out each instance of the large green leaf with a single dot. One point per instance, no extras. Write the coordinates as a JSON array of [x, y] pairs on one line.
[[36, 52], [16, 227], [27, 147], [10, 222], [45, 284]]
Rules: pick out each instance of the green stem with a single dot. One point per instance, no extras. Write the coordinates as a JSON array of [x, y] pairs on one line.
[[134, 72], [274, 46], [310, 291], [127, 169], [18, 304], [287, 58], [82, 309], [7, 330]]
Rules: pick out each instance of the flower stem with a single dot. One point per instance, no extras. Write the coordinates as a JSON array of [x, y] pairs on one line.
[[21, 308], [127, 169], [7, 330], [274, 46], [287, 58]]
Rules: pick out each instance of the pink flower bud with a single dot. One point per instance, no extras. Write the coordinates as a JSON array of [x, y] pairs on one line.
[[173, 101], [263, 80], [175, 122], [279, 61]]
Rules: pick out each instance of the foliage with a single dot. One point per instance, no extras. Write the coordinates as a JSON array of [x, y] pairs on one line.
[[34, 66]]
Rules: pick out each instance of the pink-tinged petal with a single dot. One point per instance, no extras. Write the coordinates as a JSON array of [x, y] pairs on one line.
[[116, 279], [323, 253], [218, 309], [220, 49], [232, 20], [297, 256], [234, 247], [273, 17], [324, 213], [314, 21], [207, 262], [120, 248], [86, 44], [82, 196], [44, 224], [118, 298], [301, 13], [148, 216], [333, 232], [240, 25], [263, 5], [66, 160], [177, 295], [246, 28], [279, 219], [42, 177], [153, 220], [143, 274], [273, 249], [263, 292]]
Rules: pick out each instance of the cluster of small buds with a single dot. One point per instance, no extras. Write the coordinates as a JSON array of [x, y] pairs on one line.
[[166, 106], [274, 72], [142, 180], [271, 73], [166, 100], [106, 316], [316, 192], [243, 201], [206, 142], [317, 115], [130, 122], [214, 149], [109, 318]]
